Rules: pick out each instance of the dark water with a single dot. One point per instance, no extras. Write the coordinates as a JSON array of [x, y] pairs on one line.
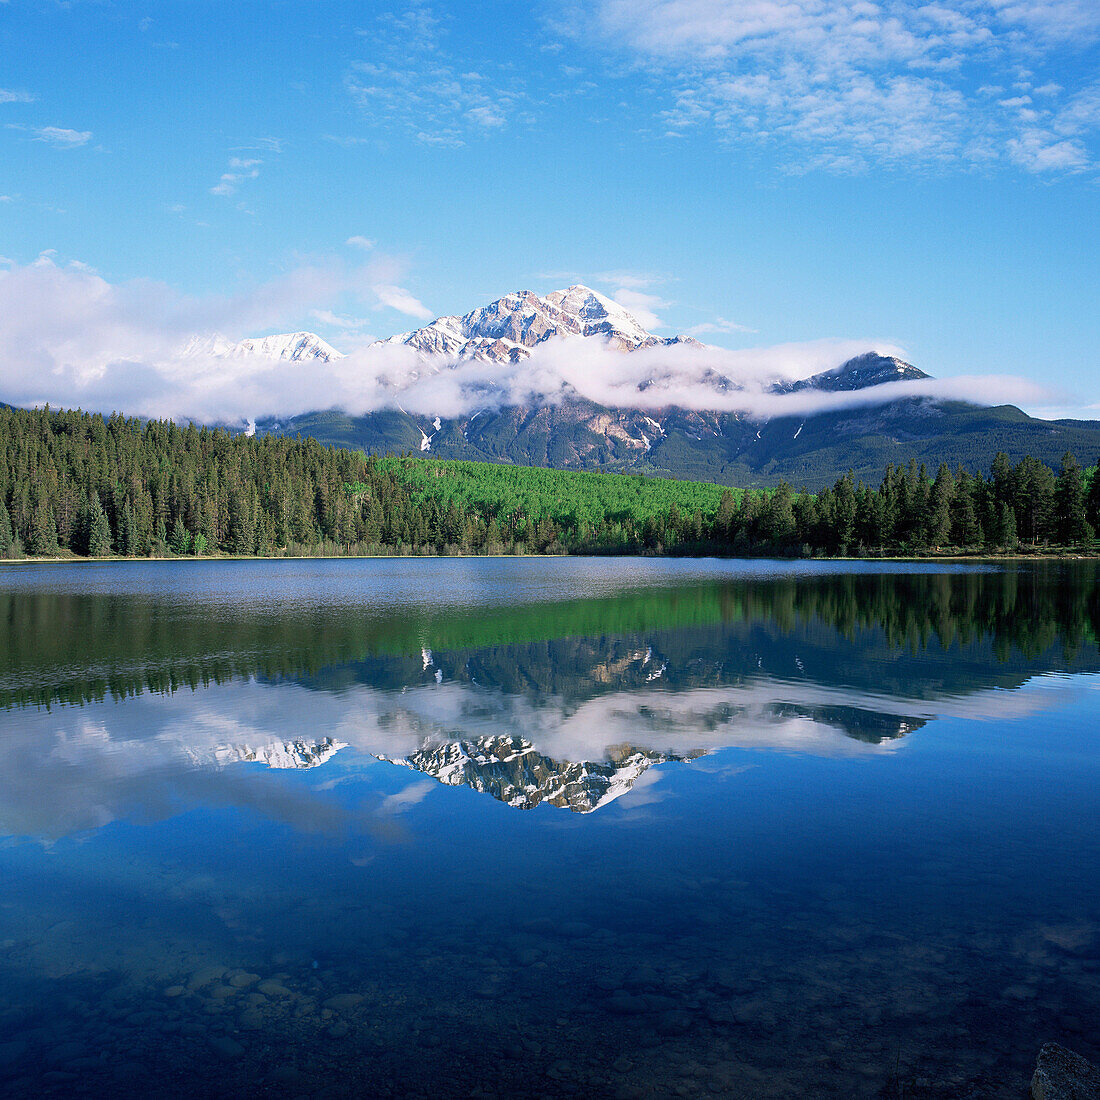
[[546, 828]]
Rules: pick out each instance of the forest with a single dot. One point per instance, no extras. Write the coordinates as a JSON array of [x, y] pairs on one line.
[[79, 483]]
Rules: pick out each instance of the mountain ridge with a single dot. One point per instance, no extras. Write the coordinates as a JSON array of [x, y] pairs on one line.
[[574, 432]]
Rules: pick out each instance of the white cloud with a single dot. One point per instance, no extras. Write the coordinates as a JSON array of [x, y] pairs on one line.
[[643, 306], [69, 337], [398, 298], [850, 85], [240, 169], [408, 82], [365, 243], [718, 325], [62, 138], [489, 118], [337, 320], [11, 95], [1040, 151]]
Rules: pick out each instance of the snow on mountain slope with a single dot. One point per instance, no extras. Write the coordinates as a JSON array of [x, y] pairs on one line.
[[297, 347], [506, 330]]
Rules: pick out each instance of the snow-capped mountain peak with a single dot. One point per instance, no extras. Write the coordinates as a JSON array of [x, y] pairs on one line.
[[297, 347], [507, 329]]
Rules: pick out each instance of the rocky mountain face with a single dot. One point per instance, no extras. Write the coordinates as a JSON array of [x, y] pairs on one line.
[[509, 328]]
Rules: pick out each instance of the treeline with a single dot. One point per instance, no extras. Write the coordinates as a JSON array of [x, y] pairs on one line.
[[81, 483], [1021, 505]]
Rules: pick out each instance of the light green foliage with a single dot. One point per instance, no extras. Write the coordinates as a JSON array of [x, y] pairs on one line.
[[569, 499]]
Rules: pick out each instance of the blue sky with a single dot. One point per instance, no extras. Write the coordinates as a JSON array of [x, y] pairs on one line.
[[922, 175]]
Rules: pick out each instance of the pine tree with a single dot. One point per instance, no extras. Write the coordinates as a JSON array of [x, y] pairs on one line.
[[41, 538], [778, 524], [845, 511], [1006, 527], [1093, 504], [99, 532], [7, 537], [128, 535], [1071, 503], [179, 541], [938, 525], [242, 531]]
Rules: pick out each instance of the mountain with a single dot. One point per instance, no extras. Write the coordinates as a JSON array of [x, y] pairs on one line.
[[723, 447], [506, 330], [296, 347], [869, 369]]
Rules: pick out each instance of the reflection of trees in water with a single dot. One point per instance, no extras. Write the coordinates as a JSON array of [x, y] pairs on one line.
[[854, 627]]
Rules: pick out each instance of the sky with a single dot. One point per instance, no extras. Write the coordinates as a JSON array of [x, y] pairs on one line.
[[918, 177]]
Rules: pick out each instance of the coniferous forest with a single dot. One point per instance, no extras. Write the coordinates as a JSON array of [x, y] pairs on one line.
[[74, 482]]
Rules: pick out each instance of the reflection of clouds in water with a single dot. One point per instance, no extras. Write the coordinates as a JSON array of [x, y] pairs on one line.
[[69, 770], [408, 796]]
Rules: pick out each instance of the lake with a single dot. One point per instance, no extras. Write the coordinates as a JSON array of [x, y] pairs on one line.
[[569, 827]]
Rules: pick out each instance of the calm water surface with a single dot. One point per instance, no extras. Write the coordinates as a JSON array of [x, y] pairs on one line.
[[546, 828]]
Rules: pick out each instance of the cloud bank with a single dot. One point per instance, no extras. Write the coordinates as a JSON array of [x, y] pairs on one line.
[[70, 338]]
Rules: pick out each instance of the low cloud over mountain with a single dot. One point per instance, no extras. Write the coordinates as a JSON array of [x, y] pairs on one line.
[[69, 337]]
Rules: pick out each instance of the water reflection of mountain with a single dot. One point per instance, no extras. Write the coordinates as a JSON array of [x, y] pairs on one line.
[[565, 703], [512, 770]]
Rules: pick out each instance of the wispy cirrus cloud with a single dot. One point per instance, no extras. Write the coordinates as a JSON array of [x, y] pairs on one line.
[[850, 85], [240, 169], [411, 82], [718, 326], [58, 136], [14, 95]]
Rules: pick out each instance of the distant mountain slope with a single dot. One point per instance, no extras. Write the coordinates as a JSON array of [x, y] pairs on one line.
[[719, 447], [575, 433]]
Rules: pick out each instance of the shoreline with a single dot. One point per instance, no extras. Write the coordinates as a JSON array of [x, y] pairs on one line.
[[76, 559]]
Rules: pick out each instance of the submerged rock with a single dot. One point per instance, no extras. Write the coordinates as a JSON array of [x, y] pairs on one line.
[[1060, 1074]]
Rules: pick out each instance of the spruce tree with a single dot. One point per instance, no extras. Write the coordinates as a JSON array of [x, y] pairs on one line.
[[6, 535], [99, 532], [938, 524], [1093, 502], [128, 536], [179, 541], [41, 538], [1071, 503], [1006, 533]]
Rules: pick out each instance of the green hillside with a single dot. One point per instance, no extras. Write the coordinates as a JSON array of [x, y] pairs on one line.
[[568, 498]]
